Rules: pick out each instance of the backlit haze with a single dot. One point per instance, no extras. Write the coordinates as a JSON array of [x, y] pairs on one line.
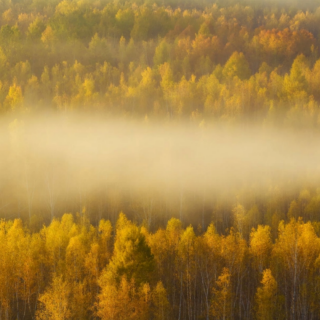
[[46, 161]]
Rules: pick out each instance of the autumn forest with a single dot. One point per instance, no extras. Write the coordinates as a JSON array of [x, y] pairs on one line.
[[159, 159]]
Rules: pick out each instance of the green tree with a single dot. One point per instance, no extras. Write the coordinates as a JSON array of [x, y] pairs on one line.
[[236, 66], [132, 256]]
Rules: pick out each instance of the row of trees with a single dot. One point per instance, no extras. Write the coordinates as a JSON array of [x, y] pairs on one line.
[[73, 270], [228, 92]]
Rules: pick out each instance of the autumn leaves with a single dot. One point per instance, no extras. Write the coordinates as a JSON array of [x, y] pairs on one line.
[[73, 270], [226, 63]]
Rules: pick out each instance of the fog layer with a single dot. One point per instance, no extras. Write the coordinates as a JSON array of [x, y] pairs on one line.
[[68, 158]]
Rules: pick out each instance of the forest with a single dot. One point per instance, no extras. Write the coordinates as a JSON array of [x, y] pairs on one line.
[[159, 159], [196, 59]]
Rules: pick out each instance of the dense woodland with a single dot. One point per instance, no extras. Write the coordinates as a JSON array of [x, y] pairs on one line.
[[73, 270], [232, 254], [193, 59]]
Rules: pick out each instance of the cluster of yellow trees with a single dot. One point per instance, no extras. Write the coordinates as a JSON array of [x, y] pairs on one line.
[[74, 270], [228, 93], [198, 60]]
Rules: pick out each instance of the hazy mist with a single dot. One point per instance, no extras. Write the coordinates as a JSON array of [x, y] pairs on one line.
[[46, 160]]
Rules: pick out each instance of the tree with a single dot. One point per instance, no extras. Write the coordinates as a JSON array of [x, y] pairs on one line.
[[296, 248], [293, 211], [295, 84], [123, 301], [125, 21], [240, 218], [187, 267], [161, 54], [266, 298], [236, 66], [261, 246], [35, 29], [221, 303], [75, 258], [160, 302], [209, 261], [132, 256], [48, 37], [54, 303], [105, 242], [14, 98]]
